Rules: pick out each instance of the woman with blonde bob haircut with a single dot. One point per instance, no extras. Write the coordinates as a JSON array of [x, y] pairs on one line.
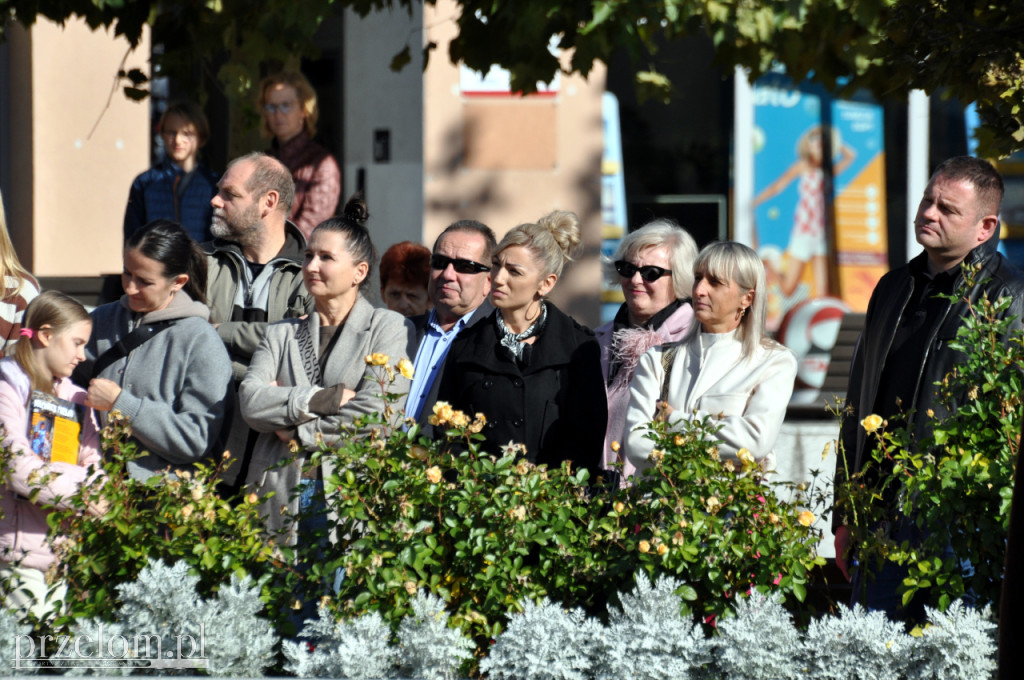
[[654, 267], [289, 109], [725, 369], [530, 369]]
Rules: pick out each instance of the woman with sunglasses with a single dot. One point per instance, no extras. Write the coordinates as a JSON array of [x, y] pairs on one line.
[[725, 368], [654, 266], [288, 106], [529, 368]]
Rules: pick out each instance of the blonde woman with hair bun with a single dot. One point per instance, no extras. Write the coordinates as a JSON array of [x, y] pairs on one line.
[[530, 369], [19, 287]]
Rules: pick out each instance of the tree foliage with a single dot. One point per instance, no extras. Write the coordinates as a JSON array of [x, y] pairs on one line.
[[968, 48]]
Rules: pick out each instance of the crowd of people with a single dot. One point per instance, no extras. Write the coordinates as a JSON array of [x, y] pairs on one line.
[[248, 292]]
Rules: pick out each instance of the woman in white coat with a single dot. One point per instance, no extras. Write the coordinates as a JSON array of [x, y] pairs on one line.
[[308, 379], [725, 368]]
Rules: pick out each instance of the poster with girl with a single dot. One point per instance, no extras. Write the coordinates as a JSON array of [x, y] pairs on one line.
[[818, 195]]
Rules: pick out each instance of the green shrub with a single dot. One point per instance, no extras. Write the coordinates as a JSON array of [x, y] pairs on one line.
[[168, 517], [486, 532]]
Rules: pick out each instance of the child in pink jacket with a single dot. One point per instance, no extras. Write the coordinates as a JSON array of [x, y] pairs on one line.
[[52, 342]]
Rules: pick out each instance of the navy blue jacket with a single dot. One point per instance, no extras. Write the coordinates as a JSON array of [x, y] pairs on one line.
[[152, 198]]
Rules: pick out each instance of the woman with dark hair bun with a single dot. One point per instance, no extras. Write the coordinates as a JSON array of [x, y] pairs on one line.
[[308, 378], [155, 357]]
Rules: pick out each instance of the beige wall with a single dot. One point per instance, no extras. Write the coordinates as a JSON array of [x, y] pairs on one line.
[[507, 160], [69, 188]]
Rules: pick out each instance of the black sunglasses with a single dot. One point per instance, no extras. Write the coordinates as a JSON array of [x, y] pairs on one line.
[[440, 262], [648, 272]]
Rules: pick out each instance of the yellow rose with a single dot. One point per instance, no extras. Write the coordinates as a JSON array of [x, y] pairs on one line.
[[806, 518], [713, 504], [662, 548], [209, 515], [657, 455], [251, 499], [729, 465], [871, 423], [187, 511], [410, 587], [377, 359], [443, 412], [405, 368], [619, 506], [643, 546], [479, 420], [197, 493], [678, 440], [459, 420], [746, 457], [773, 518], [434, 475], [615, 447]]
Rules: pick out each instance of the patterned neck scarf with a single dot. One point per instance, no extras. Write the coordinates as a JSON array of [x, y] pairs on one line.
[[514, 342]]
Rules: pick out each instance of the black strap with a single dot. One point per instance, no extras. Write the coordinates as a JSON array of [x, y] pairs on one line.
[[128, 343]]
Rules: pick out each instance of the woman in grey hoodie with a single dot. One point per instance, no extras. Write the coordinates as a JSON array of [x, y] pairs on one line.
[[155, 357]]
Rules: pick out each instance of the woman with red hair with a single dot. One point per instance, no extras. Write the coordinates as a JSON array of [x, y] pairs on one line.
[[404, 272]]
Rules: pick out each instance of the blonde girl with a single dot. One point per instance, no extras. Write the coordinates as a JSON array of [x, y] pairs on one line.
[[51, 343]]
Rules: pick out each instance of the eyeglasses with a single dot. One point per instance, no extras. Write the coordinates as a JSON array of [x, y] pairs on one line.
[[648, 272], [285, 108], [440, 263]]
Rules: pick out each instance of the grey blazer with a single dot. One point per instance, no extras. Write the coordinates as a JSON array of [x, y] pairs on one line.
[[269, 408]]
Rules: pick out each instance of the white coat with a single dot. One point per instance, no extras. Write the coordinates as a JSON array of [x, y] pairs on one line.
[[711, 377]]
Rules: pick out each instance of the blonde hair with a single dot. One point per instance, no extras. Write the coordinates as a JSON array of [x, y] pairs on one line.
[[56, 310], [9, 263], [552, 241], [732, 261], [305, 92]]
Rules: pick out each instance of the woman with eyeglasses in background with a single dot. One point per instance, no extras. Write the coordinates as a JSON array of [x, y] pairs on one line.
[[654, 266], [288, 106], [529, 368]]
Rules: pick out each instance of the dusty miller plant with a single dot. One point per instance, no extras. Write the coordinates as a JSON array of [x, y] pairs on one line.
[[760, 642], [164, 602], [654, 625], [957, 643], [10, 629], [545, 642], [856, 644], [355, 649], [430, 648]]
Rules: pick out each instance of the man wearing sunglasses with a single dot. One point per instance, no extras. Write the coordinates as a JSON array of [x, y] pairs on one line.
[[460, 281]]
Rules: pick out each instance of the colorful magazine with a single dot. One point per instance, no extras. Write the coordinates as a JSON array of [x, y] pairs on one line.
[[54, 427]]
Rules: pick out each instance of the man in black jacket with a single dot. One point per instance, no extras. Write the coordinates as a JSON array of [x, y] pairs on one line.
[[904, 349]]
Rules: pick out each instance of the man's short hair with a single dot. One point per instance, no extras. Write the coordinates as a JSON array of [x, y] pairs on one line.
[[268, 174], [473, 226], [986, 180]]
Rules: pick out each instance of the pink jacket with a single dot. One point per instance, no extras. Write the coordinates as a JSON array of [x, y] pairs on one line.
[[23, 525], [628, 348]]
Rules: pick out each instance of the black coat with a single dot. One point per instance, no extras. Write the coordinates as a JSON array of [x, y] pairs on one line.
[[555, 405]]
